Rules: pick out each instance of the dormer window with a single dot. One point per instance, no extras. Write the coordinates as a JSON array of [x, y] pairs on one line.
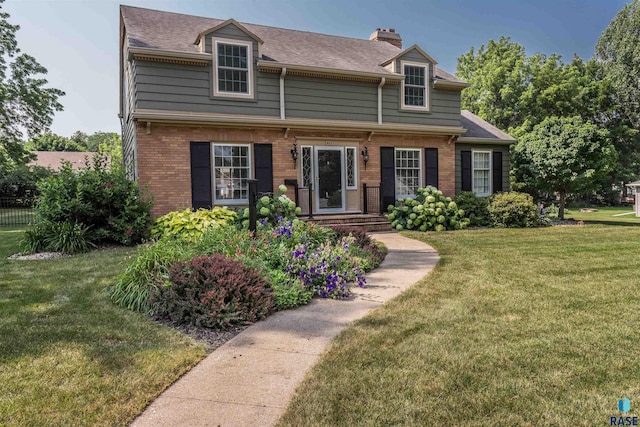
[[415, 91], [232, 69]]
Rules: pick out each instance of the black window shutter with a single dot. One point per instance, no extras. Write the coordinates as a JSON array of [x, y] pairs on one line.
[[263, 165], [388, 176], [431, 166], [201, 175], [465, 161], [497, 171]]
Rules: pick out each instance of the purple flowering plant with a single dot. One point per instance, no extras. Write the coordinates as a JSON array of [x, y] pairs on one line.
[[328, 270]]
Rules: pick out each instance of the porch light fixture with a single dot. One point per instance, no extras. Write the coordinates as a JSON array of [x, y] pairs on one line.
[[365, 157], [294, 153]]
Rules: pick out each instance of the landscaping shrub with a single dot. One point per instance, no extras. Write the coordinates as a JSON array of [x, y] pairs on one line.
[[365, 248], [299, 259], [191, 225], [103, 203], [475, 208], [132, 287], [273, 208], [289, 292], [513, 210], [212, 291], [429, 210]]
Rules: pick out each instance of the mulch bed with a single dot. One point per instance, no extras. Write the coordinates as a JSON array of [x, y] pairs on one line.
[[211, 338]]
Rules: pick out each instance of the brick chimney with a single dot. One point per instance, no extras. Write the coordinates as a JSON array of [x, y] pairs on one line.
[[388, 35]]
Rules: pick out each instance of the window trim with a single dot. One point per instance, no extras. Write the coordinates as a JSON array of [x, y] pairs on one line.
[[395, 169], [217, 201], [427, 80], [215, 41], [473, 172], [355, 168]]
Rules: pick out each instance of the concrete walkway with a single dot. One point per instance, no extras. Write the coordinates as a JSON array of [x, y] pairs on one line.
[[251, 378]]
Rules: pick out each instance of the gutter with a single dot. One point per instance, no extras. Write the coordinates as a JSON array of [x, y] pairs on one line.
[[382, 81], [185, 117], [272, 65], [282, 109], [472, 140]]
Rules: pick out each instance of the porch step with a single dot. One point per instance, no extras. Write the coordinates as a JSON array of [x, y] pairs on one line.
[[368, 222]]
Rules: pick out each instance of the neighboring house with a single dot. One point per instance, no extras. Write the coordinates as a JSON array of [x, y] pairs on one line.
[[635, 186], [207, 104], [53, 159]]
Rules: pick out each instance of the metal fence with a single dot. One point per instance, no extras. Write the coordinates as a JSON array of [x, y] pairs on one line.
[[372, 199], [16, 211]]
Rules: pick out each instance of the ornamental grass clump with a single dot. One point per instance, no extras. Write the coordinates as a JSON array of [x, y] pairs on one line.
[[428, 211]]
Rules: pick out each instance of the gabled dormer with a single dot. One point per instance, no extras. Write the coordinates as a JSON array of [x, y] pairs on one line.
[[418, 69], [233, 48]]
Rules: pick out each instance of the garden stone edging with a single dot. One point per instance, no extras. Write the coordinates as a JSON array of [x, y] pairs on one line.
[[251, 378]]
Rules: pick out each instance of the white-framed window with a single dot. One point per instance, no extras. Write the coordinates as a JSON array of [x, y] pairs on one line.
[[351, 166], [415, 87], [408, 172], [232, 68], [481, 172], [231, 170]]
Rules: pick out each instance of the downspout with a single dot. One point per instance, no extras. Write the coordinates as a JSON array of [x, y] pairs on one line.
[[382, 81], [282, 74]]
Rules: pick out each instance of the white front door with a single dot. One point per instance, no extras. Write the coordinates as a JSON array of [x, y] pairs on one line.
[[329, 179]]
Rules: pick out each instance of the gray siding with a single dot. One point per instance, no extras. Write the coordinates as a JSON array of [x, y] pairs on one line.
[[230, 32], [128, 124], [188, 88], [444, 105], [506, 163], [445, 108], [316, 98]]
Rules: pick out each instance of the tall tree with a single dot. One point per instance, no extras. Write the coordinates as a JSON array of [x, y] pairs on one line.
[[565, 155], [26, 104], [618, 48], [498, 79], [49, 141], [618, 54]]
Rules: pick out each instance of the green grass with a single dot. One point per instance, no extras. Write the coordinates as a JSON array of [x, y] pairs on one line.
[[68, 356], [513, 327], [606, 215]]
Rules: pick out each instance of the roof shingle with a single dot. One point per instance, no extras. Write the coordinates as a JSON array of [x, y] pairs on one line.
[[177, 32]]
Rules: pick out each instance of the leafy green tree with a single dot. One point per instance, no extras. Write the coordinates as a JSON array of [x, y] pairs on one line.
[[111, 146], [618, 53], [515, 92], [94, 141], [618, 48], [565, 155], [49, 141], [497, 73], [26, 104]]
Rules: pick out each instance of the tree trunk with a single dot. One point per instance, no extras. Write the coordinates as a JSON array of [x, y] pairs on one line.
[[563, 196]]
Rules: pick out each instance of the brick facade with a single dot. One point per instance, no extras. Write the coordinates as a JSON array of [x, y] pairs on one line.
[[164, 156]]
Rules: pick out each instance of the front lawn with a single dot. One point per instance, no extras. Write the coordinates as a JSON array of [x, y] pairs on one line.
[[68, 356], [615, 215], [513, 327]]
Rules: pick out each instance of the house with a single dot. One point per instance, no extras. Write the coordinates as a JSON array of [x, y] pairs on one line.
[[54, 159], [207, 104]]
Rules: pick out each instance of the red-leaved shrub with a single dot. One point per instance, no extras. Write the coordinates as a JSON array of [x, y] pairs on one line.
[[214, 292]]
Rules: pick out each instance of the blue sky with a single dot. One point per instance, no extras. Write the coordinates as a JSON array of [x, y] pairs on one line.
[[77, 40]]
